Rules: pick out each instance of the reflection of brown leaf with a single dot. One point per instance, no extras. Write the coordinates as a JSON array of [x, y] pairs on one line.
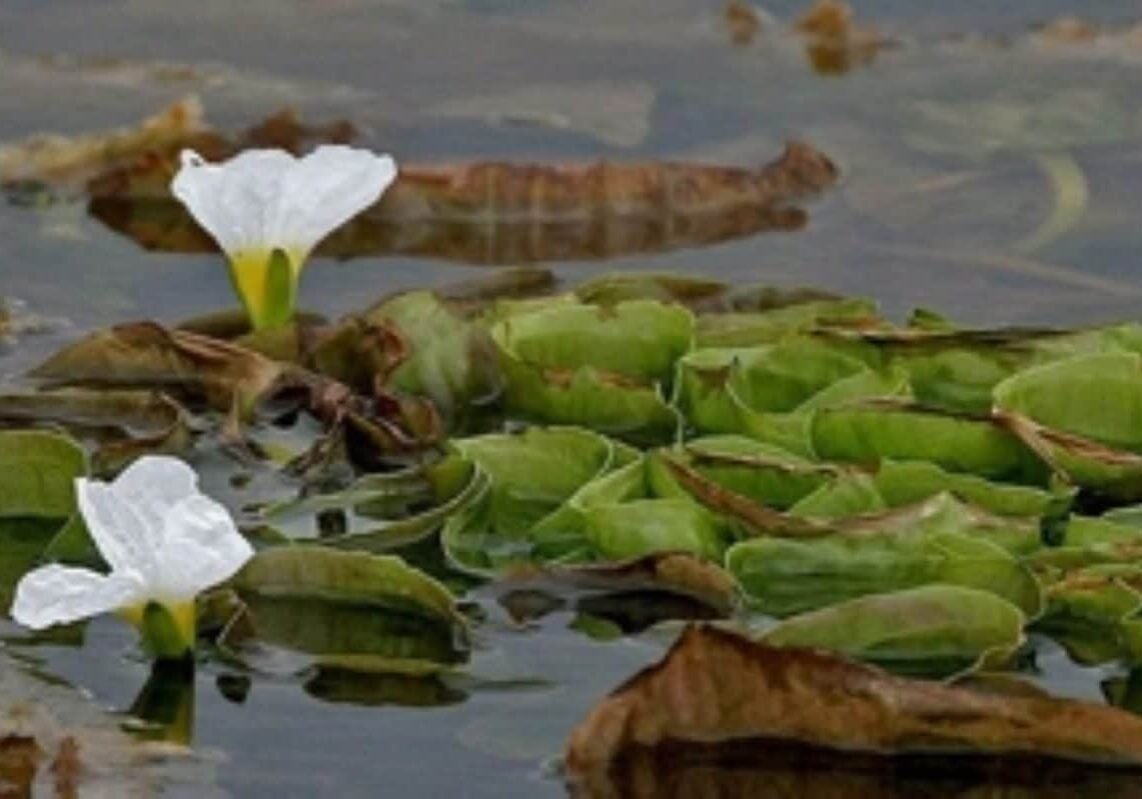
[[66, 768], [64, 160], [716, 688], [19, 758], [791, 771], [742, 22], [833, 42], [664, 574]]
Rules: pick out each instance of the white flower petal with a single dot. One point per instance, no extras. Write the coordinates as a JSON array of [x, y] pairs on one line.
[[264, 199], [152, 486], [201, 548], [122, 535], [325, 190], [233, 201], [57, 594]]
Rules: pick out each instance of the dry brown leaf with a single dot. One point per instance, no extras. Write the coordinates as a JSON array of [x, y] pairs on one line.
[[63, 160], [742, 22], [716, 688], [834, 43], [493, 212]]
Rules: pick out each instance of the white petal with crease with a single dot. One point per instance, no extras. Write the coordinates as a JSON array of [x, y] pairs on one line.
[[263, 199], [201, 548], [60, 594], [121, 534]]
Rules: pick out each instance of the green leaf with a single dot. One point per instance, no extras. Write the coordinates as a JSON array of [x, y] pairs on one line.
[[449, 360], [602, 368], [647, 526], [383, 511], [358, 578], [762, 472], [898, 551], [934, 630], [306, 606], [768, 393], [1096, 613], [519, 508], [871, 431], [639, 339], [1095, 396], [905, 482], [38, 470], [765, 327]]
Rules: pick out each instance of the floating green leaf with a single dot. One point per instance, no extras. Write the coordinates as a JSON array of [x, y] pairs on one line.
[[871, 431], [878, 555], [932, 630]]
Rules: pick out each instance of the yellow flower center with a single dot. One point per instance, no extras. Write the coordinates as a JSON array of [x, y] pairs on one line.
[[266, 281]]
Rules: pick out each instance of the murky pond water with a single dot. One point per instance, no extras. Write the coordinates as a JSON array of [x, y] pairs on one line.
[[986, 174]]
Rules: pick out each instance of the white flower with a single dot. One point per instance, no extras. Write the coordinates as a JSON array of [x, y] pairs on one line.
[[164, 541], [264, 201]]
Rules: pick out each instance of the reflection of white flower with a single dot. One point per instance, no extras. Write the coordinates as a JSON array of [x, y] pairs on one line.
[[264, 201], [164, 541]]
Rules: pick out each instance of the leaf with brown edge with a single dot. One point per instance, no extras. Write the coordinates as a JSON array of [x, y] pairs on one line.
[[718, 689]]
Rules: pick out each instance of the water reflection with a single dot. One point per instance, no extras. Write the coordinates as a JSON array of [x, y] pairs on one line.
[[799, 772], [165, 704]]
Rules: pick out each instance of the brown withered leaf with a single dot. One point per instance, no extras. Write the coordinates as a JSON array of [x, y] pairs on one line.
[[834, 44], [69, 161], [790, 771], [122, 424], [244, 384], [19, 760], [718, 689], [742, 22], [504, 212], [633, 593], [146, 354], [756, 519]]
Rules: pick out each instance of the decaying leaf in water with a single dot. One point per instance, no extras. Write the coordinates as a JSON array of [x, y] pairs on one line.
[[123, 424], [539, 210], [499, 212], [59, 160], [239, 381], [147, 354], [715, 689], [632, 594], [743, 22]]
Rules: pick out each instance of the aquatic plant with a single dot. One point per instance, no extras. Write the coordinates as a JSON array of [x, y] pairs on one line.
[[268, 210], [165, 543]]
